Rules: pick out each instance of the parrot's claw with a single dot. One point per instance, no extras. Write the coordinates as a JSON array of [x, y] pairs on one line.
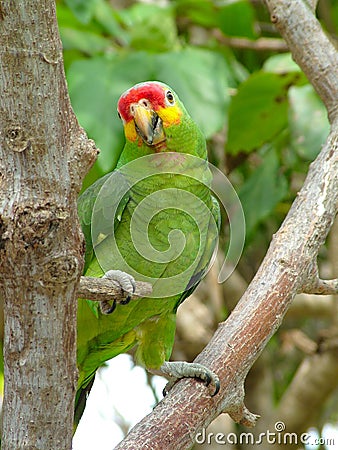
[[107, 307], [181, 369], [127, 284]]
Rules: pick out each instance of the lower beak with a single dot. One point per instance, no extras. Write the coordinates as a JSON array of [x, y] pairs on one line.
[[148, 125]]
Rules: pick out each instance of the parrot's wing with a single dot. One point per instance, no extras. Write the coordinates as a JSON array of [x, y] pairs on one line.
[[210, 246], [107, 212], [112, 192]]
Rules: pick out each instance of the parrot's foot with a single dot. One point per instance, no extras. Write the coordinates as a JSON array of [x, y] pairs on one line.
[[182, 369], [127, 284]]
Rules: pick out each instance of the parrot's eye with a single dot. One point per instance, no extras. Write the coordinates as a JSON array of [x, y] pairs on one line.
[[170, 97]]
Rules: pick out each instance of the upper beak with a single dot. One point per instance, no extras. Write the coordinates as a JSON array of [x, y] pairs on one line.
[[148, 125]]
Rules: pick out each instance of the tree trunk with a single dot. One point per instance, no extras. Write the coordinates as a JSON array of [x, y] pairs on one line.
[[41, 247]]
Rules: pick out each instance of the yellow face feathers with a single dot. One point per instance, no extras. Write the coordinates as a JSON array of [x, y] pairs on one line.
[[170, 115], [130, 131]]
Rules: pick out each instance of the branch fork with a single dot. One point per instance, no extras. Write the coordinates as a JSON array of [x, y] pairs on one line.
[[313, 284]]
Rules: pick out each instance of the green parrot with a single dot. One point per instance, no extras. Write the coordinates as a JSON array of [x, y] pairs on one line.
[[152, 219]]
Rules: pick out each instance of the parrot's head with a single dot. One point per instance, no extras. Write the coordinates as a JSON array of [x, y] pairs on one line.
[[147, 110]]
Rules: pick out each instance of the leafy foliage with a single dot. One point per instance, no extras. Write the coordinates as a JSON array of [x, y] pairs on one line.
[[259, 111], [257, 202]]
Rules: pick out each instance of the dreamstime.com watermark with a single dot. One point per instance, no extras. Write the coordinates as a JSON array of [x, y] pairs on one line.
[[279, 436]]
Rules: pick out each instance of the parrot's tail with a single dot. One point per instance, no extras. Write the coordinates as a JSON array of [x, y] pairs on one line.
[[80, 402]]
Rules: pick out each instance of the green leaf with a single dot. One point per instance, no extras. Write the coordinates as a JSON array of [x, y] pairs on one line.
[[84, 41], [308, 121], [203, 13], [82, 9], [151, 27], [109, 20], [199, 78], [237, 18], [281, 63], [80, 37], [333, 18], [262, 191], [259, 111]]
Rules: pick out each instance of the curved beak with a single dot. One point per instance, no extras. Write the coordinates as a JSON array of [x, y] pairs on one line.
[[148, 125]]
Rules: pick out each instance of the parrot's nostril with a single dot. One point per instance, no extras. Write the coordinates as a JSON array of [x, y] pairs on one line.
[[144, 102]]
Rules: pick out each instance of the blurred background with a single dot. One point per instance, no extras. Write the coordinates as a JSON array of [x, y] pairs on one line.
[[264, 124]]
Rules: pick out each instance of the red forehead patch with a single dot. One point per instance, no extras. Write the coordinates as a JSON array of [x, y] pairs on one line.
[[151, 90]]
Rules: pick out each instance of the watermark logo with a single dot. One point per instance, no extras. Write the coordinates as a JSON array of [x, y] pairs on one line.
[[278, 436], [153, 219]]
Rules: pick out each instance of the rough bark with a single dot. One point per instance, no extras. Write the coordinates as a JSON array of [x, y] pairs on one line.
[[44, 155], [287, 268], [103, 289]]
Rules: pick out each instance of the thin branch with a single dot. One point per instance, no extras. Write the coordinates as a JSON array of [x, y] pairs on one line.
[[313, 284], [323, 287], [259, 45], [104, 289], [296, 338], [318, 306]]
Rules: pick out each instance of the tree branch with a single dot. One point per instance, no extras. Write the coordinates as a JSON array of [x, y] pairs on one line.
[[323, 287], [314, 285], [294, 248], [318, 306], [104, 289], [259, 45]]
